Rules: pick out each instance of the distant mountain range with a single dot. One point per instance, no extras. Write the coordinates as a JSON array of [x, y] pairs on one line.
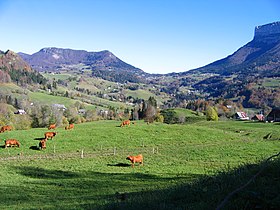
[[260, 56]]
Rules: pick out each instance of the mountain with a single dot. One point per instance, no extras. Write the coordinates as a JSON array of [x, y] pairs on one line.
[[104, 63], [11, 60], [260, 56]]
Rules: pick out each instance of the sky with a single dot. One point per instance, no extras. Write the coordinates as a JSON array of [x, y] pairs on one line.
[[157, 36]]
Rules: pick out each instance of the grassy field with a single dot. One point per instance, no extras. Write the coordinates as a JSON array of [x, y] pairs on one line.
[[191, 166]]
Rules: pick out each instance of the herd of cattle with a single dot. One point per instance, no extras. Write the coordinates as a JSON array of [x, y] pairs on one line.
[[50, 135], [42, 143]]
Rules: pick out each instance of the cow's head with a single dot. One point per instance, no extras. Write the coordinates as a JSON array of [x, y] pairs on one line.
[[129, 158]]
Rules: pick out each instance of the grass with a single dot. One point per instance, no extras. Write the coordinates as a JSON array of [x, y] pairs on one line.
[[57, 76], [181, 164]]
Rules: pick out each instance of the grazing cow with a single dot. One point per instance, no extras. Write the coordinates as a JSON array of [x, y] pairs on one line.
[[50, 135], [43, 144], [69, 127], [135, 159], [11, 142], [52, 126], [126, 122], [6, 128]]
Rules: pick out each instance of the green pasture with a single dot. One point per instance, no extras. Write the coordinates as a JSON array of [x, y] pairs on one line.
[[271, 82], [185, 166]]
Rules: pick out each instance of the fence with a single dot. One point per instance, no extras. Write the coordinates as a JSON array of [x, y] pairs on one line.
[[83, 153]]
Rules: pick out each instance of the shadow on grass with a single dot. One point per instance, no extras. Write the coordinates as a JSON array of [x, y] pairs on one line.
[[34, 148], [120, 165], [39, 138], [61, 189], [36, 172]]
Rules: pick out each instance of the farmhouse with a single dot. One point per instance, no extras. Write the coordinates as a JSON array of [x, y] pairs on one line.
[[82, 111], [274, 115]]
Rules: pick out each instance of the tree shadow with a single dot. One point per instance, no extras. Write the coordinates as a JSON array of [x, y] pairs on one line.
[[36, 172], [209, 191], [62, 189]]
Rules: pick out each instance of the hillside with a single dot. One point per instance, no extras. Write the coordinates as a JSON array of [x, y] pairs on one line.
[[11, 60]]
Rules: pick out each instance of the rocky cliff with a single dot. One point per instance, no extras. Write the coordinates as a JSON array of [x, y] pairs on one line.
[[268, 32]]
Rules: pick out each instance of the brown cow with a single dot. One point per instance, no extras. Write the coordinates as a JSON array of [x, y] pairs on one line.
[[52, 126], [135, 159], [11, 142], [50, 135], [126, 122], [6, 128], [69, 127], [43, 144]]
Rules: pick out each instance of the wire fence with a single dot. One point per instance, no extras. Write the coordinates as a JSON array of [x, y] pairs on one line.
[[82, 153]]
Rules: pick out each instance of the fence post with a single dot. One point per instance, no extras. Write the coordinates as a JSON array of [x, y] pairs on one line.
[[54, 148], [114, 150], [82, 155], [153, 150]]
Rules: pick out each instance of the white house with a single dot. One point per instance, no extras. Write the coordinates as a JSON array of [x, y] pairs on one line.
[[241, 116]]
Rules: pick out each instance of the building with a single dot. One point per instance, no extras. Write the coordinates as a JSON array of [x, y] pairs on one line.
[[274, 115], [241, 116], [59, 106]]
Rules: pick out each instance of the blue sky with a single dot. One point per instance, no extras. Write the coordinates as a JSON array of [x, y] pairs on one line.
[[157, 36]]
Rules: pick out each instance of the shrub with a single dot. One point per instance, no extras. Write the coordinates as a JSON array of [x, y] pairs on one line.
[[170, 116]]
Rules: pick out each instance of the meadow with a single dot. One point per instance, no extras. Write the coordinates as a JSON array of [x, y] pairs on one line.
[[190, 166]]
